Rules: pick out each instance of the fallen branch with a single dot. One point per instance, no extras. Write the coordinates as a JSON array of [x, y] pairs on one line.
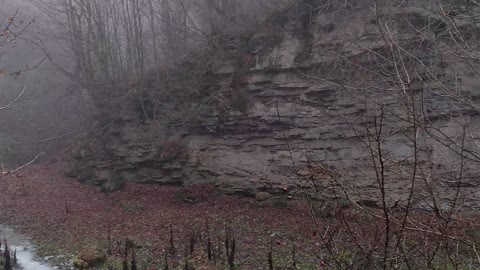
[[9, 105], [24, 165], [48, 139], [18, 72]]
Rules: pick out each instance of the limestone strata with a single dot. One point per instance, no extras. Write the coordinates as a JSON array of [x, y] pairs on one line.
[[312, 97]]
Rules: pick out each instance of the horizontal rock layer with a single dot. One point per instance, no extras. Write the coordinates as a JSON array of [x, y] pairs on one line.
[[335, 100]]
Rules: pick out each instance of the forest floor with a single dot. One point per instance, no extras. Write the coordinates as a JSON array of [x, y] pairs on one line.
[[63, 216]]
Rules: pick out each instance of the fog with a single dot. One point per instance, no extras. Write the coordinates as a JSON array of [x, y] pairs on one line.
[[48, 106], [59, 54]]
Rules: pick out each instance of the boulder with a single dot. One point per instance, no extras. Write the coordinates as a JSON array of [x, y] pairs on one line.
[[93, 257], [80, 264]]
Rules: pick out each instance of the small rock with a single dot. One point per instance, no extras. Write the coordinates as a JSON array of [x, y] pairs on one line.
[[304, 173], [103, 175], [369, 203], [80, 264], [189, 200], [93, 257], [112, 185], [262, 196]]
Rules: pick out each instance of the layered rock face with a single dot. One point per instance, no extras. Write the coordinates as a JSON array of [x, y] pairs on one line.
[[349, 99]]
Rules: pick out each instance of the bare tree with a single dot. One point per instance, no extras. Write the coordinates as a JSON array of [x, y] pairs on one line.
[[7, 36], [395, 72], [121, 40]]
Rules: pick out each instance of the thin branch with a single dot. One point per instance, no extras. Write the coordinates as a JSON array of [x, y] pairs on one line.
[[48, 139], [24, 165], [12, 103]]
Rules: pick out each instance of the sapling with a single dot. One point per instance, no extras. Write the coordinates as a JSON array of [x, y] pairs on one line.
[[165, 258], [230, 248], [270, 256], [134, 262]]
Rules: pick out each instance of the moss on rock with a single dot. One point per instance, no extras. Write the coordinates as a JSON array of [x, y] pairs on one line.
[[94, 257], [80, 264]]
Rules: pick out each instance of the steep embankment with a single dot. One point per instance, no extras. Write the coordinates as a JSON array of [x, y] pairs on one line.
[[335, 98]]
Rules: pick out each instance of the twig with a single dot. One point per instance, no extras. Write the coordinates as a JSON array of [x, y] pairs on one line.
[[48, 139], [9, 105], [24, 165]]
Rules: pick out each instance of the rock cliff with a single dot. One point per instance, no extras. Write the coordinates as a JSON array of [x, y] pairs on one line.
[[342, 99]]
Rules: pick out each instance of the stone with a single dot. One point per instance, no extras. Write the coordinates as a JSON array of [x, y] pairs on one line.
[[103, 175], [112, 185], [188, 199], [93, 257], [262, 196], [80, 264]]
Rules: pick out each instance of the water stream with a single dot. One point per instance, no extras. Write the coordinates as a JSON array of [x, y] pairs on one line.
[[26, 258]]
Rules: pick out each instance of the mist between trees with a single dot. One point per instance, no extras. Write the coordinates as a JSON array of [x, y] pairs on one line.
[[123, 39], [90, 44]]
